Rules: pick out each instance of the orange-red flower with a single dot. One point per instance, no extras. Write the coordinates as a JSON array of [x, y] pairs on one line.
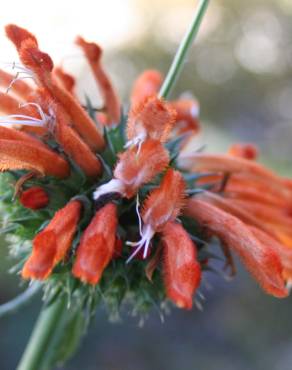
[[163, 205], [165, 202], [147, 84], [41, 66], [34, 198], [152, 118], [52, 244], [66, 80], [262, 261], [97, 245], [135, 168], [247, 151], [111, 100], [29, 154], [187, 120], [181, 270]]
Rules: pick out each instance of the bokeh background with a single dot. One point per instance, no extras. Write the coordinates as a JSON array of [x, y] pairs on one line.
[[241, 71]]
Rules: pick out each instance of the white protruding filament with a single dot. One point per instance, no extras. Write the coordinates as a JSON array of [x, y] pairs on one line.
[[147, 234], [20, 69], [136, 141], [22, 119], [113, 186], [138, 214]]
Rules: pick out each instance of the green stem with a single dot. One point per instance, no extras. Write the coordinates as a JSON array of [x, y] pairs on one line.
[[183, 49], [41, 339]]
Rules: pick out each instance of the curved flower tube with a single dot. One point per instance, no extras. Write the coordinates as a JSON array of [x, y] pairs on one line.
[[181, 270], [51, 245]]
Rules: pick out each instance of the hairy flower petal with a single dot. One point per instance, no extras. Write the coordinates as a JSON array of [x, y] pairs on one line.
[[136, 167], [187, 119], [19, 155], [146, 84], [111, 100], [152, 118], [262, 261], [182, 272], [42, 65], [97, 245], [52, 244], [165, 202], [66, 80]]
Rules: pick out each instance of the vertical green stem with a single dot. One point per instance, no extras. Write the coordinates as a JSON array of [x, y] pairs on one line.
[[183, 49], [34, 356]]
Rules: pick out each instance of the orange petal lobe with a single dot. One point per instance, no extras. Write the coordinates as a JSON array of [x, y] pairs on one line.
[[137, 167], [165, 202], [111, 100], [52, 244], [262, 261], [97, 245], [182, 272], [146, 84], [153, 118]]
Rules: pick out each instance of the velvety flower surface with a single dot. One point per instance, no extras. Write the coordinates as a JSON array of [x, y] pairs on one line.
[[111, 206]]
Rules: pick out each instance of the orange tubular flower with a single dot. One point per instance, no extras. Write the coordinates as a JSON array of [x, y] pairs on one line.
[[187, 115], [284, 252], [135, 168], [247, 151], [65, 79], [8, 104], [31, 155], [111, 100], [52, 244], [234, 165], [147, 84], [34, 198], [41, 65], [262, 261], [73, 144], [97, 245], [182, 271], [163, 205], [152, 118], [13, 134], [165, 202], [18, 34], [229, 206]]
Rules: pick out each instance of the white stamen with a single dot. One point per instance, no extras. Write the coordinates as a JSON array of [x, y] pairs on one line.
[[195, 110], [22, 119], [146, 236], [137, 140], [20, 69], [138, 214], [113, 186]]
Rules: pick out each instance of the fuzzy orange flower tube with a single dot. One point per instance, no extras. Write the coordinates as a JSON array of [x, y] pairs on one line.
[[108, 206]]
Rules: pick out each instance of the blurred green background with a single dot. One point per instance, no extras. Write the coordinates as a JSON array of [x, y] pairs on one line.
[[241, 72]]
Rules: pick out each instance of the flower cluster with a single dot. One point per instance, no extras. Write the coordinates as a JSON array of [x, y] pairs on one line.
[[115, 205]]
